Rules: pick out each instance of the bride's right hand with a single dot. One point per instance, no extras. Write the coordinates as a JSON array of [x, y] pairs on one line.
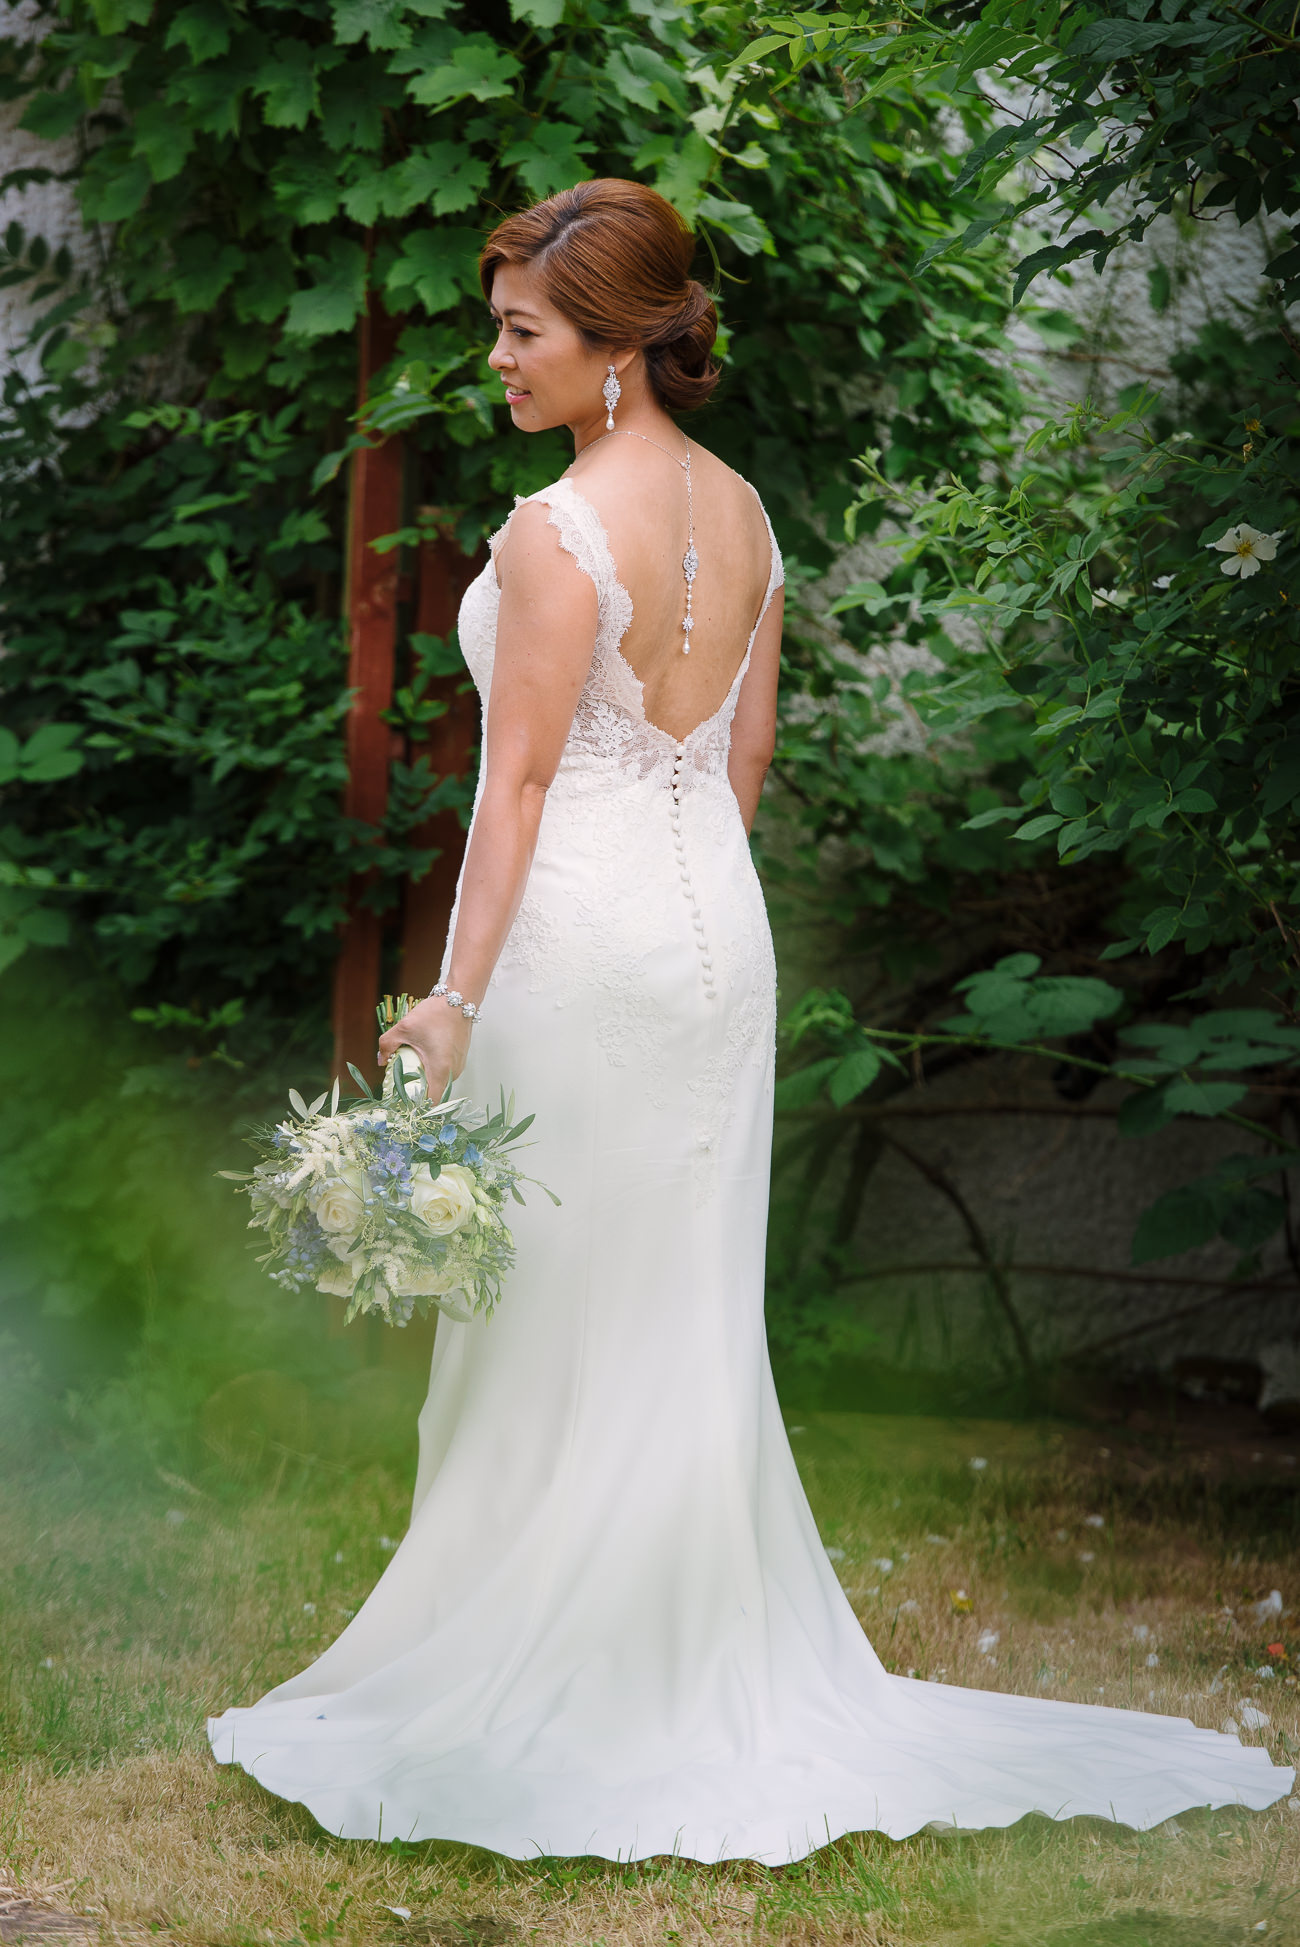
[[440, 1037]]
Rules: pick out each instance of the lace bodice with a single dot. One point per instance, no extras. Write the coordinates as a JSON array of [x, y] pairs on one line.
[[610, 728]]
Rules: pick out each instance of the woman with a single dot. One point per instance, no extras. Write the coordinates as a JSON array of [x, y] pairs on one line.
[[612, 1627]]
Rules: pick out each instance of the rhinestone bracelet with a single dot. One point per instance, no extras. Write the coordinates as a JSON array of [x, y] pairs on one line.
[[453, 999]]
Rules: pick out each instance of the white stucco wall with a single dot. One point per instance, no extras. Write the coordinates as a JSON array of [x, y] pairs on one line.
[[46, 210]]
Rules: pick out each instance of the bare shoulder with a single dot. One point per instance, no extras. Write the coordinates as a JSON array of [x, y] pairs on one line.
[[531, 556]]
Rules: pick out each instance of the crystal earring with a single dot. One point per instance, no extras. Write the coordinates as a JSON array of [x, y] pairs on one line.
[[611, 392]]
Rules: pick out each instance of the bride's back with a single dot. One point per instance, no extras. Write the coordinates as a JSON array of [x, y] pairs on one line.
[[639, 492]]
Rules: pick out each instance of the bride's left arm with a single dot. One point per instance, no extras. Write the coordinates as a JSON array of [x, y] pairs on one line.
[[753, 728], [546, 632]]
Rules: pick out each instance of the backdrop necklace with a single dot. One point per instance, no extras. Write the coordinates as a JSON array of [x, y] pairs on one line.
[[690, 560], [611, 392]]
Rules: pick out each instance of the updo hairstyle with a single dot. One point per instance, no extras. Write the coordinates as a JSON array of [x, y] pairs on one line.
[[614, 257]]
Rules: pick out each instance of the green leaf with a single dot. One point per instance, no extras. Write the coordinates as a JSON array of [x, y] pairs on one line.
[[164, 137], [115, 16], [854, 1073], [1181, 1220], [682, 167], [802, 1089], [1144, 1113], [478, 69], [1039, 827], [549, 158], [288, 85], [1251, 1217], [51, 115], [540, 13], [438, 266], [203, 28], [747, 230], [1203, 1098], [307, 187], [334, 300], [380, 23], [49, 753], [1161, 927], [204, 269], [445, 177], [113, 188], [997, 816]]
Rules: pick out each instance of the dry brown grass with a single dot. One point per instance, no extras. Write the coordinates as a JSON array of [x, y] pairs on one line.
[[120, 1627]]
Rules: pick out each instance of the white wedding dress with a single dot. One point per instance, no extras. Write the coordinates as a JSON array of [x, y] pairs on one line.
[[612, 1627]]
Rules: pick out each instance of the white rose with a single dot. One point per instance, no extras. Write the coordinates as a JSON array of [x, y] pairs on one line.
[[342, 1203], [444, 1202], [340, 1280]]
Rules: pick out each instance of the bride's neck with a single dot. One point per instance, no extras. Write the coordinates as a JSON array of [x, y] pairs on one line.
[[649, 421]]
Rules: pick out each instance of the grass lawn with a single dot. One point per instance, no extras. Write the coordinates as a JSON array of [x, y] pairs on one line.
[[1126, 1574]]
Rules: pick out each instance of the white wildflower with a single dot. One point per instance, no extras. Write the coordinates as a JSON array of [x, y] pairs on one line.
[[1153, 1660], [1270, 1606], [1252, 1718], [987, 1641], [1246, 547], [1094, 1520], [977, 1463], [1140, 1632], [884, 1563]]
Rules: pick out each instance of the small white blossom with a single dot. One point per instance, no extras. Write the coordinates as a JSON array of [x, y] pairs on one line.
[[1094, 1520], [1086, 1555], [1251, 1718], [1245, 547], [884, 1563], [835, 1554], [987, 1641], [309, 1608], [1270, 1606], [1140, 1632], [977, 1463], [1153, 1661]]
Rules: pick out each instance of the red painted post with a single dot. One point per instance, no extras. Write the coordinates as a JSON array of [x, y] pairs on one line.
[[370, 605], [444, 575]]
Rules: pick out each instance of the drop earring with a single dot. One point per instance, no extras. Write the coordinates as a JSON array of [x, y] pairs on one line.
[[611, 392]]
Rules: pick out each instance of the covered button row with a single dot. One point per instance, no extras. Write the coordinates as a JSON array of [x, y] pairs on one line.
[[697, 918]]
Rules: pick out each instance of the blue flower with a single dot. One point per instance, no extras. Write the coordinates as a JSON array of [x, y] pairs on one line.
[[448, 1133], [473, 1155]]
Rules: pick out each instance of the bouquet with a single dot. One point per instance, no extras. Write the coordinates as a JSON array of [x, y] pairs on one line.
[[392, 1202]]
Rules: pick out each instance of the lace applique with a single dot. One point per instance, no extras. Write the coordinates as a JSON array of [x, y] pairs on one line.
[[751, 1036]]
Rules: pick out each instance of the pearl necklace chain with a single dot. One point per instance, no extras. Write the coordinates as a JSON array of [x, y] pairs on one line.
[[690, 560]]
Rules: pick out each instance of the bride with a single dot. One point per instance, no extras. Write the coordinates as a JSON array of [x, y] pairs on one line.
[[612, 1627]]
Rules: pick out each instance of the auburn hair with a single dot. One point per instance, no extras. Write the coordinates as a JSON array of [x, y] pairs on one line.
[[615, 258]]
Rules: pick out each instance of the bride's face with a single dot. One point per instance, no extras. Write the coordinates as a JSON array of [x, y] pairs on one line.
[[552, 376]]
